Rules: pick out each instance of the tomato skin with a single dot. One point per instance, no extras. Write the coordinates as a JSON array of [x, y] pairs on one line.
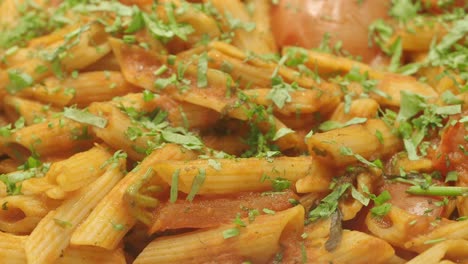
[[433, 7], [205, 212], [413, 204], [304, 23], [451, 153]]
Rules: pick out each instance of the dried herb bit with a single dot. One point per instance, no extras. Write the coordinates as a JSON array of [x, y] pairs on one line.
[[336, 231]]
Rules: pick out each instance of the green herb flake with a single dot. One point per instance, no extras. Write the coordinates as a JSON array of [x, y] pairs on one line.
[[382, 198], [330, 125], [84, 117], [411, 104], [148, 95], [452, 176], [396, 49], [379, 136], [346, 151], [215, 164], [238, 221], [62, 223], [196, 184], [359, 197], [381, 210], [404, 10], [280, 184], [231, 232], [137, 22], [161, 70], [381, 207], [282, 132], [329, 204], [434, 241], [18, 81], [202, 80], [118, 227], [449, 98], [252, 214], [268, 211], [187, 140], [174, 186]]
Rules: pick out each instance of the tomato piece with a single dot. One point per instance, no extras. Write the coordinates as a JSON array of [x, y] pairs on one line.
[[433, 5], [305, 22], [139, 3], [453, 150], [205, 212], [413, 204]]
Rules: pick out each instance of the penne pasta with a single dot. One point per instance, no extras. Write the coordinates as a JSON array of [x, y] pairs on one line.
[[456, 249], [53, 136], [80, 169], [241, 175], [231, 131], [112, 215], [21, 214], [340, 146], [52, 235], [12, 248], [261, 236], [355, 247], [32, 112], [81, 90]]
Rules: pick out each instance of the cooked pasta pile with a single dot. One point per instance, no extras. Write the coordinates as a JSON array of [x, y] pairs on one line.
[[180, 132]]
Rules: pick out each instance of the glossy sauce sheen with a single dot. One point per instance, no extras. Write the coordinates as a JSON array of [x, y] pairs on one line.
[[212, 212]]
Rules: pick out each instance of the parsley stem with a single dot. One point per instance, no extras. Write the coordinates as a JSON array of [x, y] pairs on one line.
[[438, 190]]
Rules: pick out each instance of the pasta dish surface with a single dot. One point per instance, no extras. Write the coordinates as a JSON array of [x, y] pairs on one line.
[[234, 131]]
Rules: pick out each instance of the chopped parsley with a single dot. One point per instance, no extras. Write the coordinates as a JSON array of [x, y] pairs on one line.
[[282, 132], [174, 186], [202, 80], [452, 176], [231, 232], [84, 117], [18, 81], [33, 168], [62, 223], [196, 184], [115, 159], [278, 184], [329, 204], [346, 151], [415, 126], [118, 227], [330, 125], [268, 211], [404, 10], [381, 207]]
